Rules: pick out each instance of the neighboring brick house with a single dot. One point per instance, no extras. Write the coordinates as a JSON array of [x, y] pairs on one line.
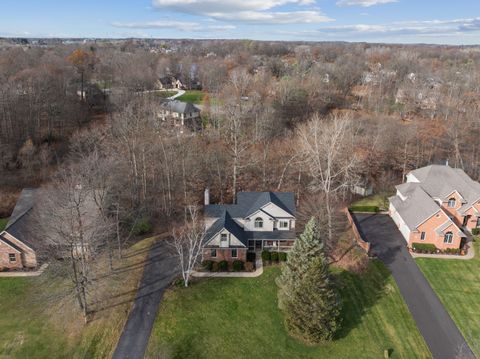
[[438, 204], [259, 220], [17, 250]]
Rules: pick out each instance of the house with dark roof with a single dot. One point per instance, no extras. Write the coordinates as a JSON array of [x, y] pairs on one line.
[[437, 204], [169, 82], [257, 221], [180, 113], [17, 250]]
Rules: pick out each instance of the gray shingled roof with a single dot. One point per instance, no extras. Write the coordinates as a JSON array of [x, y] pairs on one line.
[[19, 223], [250, 202], [180, 107], [226, 222], [440, 181], [416, 208]]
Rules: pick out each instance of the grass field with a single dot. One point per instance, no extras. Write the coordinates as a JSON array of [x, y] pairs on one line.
[[457, 283], [35, 324], [193, 96], [165, 94], [238, 318], [379, 200], [3, 223]]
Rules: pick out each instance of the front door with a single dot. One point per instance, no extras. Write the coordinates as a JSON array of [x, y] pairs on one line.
[[465, 221], [258, 244]]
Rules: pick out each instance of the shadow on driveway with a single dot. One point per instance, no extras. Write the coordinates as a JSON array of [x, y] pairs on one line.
[[160, 269]]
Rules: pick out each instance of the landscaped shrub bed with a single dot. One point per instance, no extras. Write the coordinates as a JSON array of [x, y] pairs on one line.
[[476, 231], [266, 256], [224, 266], [237, 266], [424, 248], [428, 248], [273, 257], [369, 209]]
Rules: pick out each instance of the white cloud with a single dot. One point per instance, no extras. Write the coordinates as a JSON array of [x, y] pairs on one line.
[[364, 3], [430, 27], [455, 31], [175, 25], [248, 11]]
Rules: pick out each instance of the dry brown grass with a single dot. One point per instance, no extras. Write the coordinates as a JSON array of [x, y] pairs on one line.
[[8, 198], [347, 255]]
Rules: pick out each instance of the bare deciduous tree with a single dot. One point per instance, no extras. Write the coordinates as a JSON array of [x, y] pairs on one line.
[[326, 147], [187, 241]]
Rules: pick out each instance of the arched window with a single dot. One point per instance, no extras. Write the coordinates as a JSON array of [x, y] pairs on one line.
[[258, 222], [451, 202], [448, 237]]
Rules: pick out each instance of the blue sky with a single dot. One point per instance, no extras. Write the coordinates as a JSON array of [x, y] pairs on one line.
[[396, 21]]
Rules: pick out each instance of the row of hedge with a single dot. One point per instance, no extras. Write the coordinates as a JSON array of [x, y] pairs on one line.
[[268, 256], [369, 209], [222, 266], [429, 248]]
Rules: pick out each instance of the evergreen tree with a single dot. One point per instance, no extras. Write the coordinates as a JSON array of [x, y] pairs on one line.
[[313, 314], [306, 293], [307, 247]]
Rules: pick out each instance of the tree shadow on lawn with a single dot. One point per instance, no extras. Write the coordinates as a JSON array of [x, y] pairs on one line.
[[359, 292]]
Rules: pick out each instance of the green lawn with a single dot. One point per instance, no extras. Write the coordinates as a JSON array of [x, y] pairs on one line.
[[238, 318], [3, 223], [457, 283], [35, 323], [193, 96], [379, 200]]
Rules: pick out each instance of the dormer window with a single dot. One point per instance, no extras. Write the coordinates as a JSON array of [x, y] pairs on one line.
[[258, 222], [451, 203]]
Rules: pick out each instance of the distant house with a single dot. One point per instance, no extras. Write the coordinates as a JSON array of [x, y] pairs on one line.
[[169, 82], [180, 113], [258, 221], [17, 247], [438, 205]]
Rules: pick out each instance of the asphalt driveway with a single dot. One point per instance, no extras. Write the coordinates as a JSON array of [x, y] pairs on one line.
[[160, 269], [435, 324]]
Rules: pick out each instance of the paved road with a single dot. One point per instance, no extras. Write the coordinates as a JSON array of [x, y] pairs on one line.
[[435, 324], [158, 274]]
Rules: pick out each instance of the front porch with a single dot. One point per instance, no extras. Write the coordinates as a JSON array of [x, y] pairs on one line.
[[270, 245]]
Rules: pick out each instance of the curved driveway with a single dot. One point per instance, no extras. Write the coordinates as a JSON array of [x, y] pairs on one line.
[[437, 327]]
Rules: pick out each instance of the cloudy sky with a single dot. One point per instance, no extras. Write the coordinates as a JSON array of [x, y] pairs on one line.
[[396, 21]]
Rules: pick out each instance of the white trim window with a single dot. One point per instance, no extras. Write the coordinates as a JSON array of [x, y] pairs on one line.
[[224, 240], [12, 257], [423, 235], [258, 222], [213, 253], [234, 253], [448, 238], [451, 202], [283, 224]]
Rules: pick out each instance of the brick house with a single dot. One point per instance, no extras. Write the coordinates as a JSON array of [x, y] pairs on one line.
[[438, 204], [259, 220], [17, 249]]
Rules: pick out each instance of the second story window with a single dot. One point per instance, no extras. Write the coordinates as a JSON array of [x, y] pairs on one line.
[[224, 238], [258, 222], [451, 203]]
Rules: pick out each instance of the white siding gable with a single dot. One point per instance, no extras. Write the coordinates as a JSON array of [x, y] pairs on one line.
[[267, 222], [232, 240], [276, 211]]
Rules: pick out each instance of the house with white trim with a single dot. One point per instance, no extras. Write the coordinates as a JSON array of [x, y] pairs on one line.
[[437, 204], [257, 221]]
